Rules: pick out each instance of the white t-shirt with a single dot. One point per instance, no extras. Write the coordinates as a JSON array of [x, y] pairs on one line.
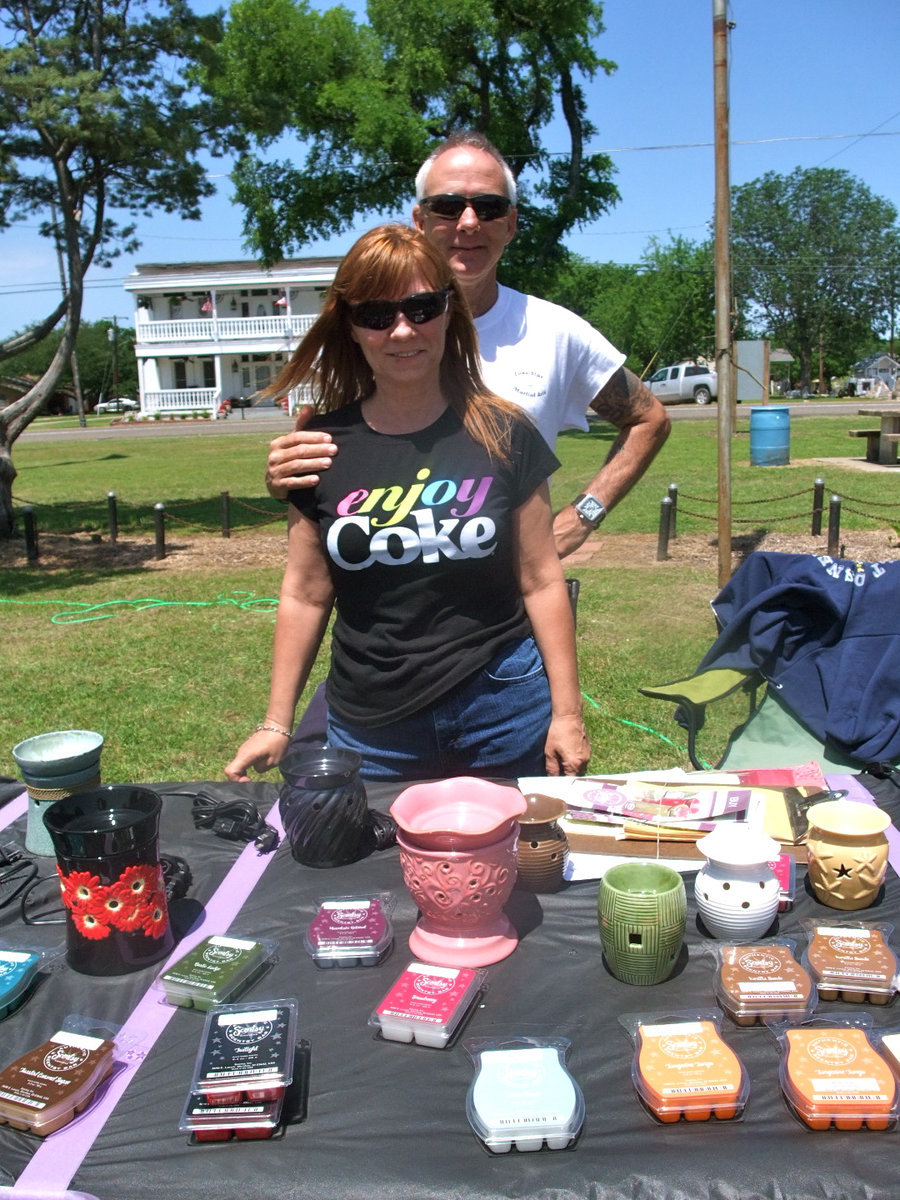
[[545, 359]]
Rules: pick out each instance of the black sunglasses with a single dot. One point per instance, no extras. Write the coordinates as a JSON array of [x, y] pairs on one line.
[[418, 310], [486, 208]]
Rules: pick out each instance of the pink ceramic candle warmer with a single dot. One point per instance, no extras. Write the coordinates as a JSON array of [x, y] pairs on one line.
[[458, 841]]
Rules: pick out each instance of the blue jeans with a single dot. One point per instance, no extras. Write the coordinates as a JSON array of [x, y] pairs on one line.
[[494, 725]]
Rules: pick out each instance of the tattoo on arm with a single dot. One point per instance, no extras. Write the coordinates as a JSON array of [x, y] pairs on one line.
[[623, 398]]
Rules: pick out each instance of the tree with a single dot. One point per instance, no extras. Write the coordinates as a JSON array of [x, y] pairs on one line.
[[806, 252], [99, 124], [659, 311], [368, 101], [94, 351]]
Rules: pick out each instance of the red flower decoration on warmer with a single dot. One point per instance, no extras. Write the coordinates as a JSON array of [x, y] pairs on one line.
[[139, 880], [133, 903], [156, 918], [88, 925]]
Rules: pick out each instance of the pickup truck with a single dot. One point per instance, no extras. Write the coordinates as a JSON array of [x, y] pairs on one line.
[[686, 381]]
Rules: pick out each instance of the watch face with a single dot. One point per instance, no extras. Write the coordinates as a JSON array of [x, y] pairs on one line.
[[590, 509]]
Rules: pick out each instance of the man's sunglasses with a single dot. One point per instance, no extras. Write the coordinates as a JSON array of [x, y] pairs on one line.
[[486, 208], [418, 310]]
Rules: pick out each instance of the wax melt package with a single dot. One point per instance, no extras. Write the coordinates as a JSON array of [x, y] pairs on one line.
[[523, 1095], [832, 1076], [428, 1004], [887, 1043], [763, 981], [246, 1052], [19, 967], [851, 960], [43, 1089], [785, 868], [245, 1119], [351, 931], [682, 1066], [217, 971]]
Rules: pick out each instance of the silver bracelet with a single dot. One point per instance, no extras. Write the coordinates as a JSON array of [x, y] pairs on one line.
[[271, 727]]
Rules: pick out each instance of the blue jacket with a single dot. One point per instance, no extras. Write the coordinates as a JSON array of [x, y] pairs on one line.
[[826, 634]]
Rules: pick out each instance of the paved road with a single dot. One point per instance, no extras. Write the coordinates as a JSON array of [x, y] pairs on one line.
[[269, 424]]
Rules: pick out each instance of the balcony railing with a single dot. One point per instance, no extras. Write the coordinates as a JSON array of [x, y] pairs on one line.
[[223, 329], [173, 400]]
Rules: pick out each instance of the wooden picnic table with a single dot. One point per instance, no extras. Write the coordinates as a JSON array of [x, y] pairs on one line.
[[881, 443]]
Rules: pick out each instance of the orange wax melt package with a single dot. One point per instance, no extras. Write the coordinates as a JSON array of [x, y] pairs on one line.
[[762, 981], [682, 1067], [851, 960], [832, 1075]]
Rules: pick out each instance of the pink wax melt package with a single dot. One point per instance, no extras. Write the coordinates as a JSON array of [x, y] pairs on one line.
[[427, 1004], [351, 931]]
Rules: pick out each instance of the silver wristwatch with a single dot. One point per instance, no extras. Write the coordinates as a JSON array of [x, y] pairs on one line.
[[589, 509]]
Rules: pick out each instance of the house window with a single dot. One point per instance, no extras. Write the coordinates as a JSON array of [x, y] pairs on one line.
[[209, 373], [180, 369]]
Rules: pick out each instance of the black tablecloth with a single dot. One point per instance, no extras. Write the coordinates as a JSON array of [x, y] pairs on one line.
[[388, 1120]]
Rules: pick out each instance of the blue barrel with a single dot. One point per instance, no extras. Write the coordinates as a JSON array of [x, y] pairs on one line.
[[770, 436]]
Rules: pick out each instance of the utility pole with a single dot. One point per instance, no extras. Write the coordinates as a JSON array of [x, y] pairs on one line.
[[724, 354]]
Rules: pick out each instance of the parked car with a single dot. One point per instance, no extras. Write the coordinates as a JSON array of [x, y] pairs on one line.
[[116, 404], [684, 382]]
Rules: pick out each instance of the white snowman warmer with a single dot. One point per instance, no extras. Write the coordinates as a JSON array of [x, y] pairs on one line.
[[736, 890]]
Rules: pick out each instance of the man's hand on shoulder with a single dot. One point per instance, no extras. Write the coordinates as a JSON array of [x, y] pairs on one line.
[[295, 458]]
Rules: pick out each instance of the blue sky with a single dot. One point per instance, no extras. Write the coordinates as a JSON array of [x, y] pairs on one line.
[[812, 84]]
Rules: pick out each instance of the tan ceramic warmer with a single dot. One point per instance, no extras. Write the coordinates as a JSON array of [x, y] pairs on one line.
[[847, 852]]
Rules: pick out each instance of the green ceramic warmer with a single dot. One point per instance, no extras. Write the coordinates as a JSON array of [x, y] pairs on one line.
[[641, 906]]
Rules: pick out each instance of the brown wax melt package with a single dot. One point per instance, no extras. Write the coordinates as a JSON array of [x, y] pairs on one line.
[[45, 1088], [852, 961], [763, 981]]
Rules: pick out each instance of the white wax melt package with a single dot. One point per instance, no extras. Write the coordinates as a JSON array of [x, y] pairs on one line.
[[523, 1095]]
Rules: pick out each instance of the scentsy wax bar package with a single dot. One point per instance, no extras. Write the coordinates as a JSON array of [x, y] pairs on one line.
[[523, 1095], [18, 971], [351, 931], [246, 1120], [217, 971], [247, 1049], [427, 1004], [43, 1090], [763, 981], [851, 960], [832, 1076], [682, 1067]]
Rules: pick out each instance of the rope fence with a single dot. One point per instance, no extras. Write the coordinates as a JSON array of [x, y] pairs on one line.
[[85, 517], [671, 506]]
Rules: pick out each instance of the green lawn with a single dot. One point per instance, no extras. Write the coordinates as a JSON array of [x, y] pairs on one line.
[[172, 665]]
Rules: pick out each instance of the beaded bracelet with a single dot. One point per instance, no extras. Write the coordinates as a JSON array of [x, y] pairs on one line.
[[271, 727]]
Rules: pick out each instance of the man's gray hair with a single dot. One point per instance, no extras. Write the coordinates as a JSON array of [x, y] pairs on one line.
[[474, 140]]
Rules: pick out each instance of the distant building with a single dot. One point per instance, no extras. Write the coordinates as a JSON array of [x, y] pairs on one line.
[[209, 333], [876, 367]]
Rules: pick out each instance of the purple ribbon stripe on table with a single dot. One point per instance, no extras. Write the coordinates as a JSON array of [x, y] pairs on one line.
[[56, 1160]]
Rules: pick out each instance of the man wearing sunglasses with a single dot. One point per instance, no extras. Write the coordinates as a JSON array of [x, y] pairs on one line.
[[539, 355]]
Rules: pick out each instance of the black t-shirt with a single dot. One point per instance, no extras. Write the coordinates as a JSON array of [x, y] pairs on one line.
[[417, 531]]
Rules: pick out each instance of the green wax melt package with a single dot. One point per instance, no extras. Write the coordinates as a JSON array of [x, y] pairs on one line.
[[217, 970]]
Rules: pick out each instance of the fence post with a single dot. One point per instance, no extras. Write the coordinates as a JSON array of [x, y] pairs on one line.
[[226, 512], [159, 520], [113, 517], [834, 526], [31, 537], [665, 524], [818, 505], [673, 512]]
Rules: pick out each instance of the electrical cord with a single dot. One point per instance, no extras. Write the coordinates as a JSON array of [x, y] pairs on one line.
[[235, 820]]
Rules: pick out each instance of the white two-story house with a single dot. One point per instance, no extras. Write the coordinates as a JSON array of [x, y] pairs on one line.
[[209, 333]]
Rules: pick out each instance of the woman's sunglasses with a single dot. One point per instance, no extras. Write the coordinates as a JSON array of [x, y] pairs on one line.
[[486, 208], [418, 310]]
